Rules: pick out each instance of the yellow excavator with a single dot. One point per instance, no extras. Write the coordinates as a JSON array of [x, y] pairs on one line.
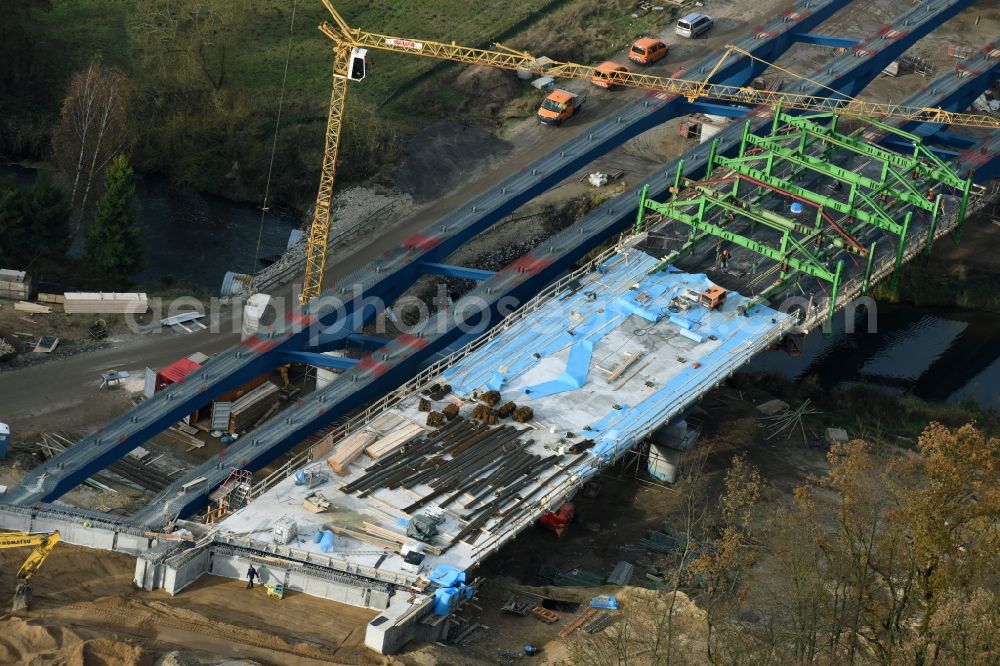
[[43, 543]]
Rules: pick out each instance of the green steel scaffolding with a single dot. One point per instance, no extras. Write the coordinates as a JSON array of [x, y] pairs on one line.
[[874, 194]]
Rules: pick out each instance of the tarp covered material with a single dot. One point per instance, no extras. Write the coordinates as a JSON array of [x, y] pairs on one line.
[[444, 599], [446, 576]]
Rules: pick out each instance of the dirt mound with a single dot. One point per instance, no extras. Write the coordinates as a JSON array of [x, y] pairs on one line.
[[29, 643], [488, 84], [442, 155]]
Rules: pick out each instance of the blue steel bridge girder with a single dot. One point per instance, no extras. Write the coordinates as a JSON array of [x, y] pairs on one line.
[[951, 140], [524, 277], [597, 226], [388, 277], [453, 271], [318, 360], [824, 40]]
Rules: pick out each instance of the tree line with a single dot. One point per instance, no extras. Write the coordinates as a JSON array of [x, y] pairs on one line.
[[890, 557]]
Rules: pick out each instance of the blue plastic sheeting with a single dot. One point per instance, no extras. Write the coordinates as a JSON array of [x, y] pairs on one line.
[[325, 540], [573, 318], [622, 294], [444, 599], [446, 576], [577, 368]]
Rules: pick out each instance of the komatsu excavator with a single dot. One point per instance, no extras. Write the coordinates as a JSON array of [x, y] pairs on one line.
[[43, 543]]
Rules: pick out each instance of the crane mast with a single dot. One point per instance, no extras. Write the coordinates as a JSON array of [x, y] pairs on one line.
[[347, 41]]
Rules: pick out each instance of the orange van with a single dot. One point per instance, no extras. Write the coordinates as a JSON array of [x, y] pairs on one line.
[[647, 50], [606, 74]]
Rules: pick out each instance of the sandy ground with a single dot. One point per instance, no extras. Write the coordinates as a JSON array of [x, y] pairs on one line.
[[85, 604], [626, 506], [82, 596]]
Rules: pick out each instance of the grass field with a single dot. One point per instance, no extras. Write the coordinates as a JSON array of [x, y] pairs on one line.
[[196, 135]]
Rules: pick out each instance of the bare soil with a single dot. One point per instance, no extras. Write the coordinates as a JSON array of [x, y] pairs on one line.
[[86, 609]]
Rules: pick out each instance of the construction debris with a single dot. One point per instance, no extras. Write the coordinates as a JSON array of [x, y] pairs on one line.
[[516, 607], [545, 615], [47, 344], [621, 574], [435, 419], [316, 503], [788, 421]]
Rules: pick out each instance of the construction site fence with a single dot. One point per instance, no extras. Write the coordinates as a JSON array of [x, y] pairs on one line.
[[427, 376]]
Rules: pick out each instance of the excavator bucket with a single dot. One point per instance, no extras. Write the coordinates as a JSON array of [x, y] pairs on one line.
[[22, 597]]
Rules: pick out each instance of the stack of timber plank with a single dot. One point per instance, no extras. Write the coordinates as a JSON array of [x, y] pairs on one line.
[[245, 411], [349, 449], [105, 303], [393, 440], [15, 285], [33, 308]]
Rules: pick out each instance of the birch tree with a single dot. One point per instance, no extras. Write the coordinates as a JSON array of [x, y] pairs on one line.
[[92, 129]]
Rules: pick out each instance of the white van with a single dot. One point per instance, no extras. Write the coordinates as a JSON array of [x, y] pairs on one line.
[[694, 25]]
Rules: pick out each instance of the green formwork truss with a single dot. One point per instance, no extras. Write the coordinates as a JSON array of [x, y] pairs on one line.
[[799, 148]]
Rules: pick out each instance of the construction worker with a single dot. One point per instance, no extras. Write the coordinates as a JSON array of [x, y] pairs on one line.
[[724, 259], [251, 574]]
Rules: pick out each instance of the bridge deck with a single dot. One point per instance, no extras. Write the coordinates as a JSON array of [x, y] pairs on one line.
[[560, 361]]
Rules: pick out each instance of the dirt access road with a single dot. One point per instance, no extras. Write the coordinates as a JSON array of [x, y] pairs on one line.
[[85, 605], [65, 393]]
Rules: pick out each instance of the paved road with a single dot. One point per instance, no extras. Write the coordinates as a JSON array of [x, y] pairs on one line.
[[65, 393]]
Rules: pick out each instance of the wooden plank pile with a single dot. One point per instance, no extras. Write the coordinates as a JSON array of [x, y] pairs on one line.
[[349, 449], [245, 411], [33, 308], [105, 303], [15, 285], [393, 440]]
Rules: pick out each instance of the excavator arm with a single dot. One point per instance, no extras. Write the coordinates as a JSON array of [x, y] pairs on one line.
[[43, 543]]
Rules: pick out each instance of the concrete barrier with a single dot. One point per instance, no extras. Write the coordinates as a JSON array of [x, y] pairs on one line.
[[185, 568]]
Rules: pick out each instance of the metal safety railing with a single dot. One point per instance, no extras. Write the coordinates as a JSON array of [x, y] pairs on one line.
[[426, 376]]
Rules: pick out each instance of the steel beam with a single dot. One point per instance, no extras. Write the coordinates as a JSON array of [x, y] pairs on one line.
[[450, 270], [824, 40], [318, 360]]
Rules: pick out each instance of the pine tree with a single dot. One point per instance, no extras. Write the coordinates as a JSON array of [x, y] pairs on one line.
[[111, 246]]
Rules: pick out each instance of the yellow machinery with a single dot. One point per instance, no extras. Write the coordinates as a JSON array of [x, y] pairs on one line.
[[351, 44], [43, 543]]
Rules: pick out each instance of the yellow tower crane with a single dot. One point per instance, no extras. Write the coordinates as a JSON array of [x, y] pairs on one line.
[[43, 543], [351, 45]]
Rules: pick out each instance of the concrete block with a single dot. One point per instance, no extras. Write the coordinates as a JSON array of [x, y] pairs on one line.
[[131, 544], [397, 624], [15, 521], [772, 407], [184, 570], [837, 436]]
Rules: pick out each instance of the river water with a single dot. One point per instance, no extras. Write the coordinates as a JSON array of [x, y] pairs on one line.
[[938, 354], [195, 238]]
